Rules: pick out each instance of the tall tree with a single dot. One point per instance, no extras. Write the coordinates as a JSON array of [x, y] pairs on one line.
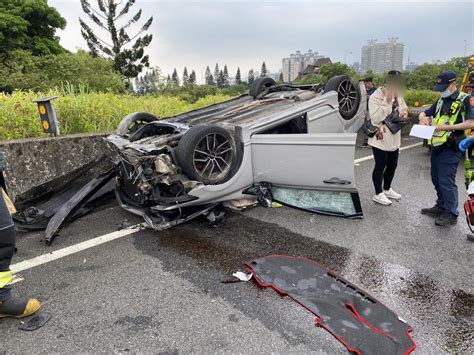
[[185, 77], [175, 77], [226, 77], [238, 78], [31, 26], [146, 84], [280, 77], [263, 71], [192, 78], [126, 51], [216, 73], [250, 77], [209, 79], [220, 79]]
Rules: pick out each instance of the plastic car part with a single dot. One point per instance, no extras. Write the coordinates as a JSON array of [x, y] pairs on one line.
[[76, 202], [348, 95], [132, 122], [469, 210], [37, 206], [207, 154], [356, 319]]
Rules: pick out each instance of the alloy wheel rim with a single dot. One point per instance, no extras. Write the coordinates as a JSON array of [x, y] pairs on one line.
[[347, 96], [212, 156]]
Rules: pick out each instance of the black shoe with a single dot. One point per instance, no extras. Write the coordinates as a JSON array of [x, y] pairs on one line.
[[433, 211], [446, 220]]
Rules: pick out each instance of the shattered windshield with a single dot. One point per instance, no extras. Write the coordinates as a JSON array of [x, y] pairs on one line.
[[329, 202]]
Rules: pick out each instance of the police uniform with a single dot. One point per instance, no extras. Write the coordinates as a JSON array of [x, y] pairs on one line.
[[445, 155]]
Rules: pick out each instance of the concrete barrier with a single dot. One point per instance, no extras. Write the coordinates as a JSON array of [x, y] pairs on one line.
[[34, 161]]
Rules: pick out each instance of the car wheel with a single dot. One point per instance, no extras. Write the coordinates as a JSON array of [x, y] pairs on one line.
[[259, 85], [132, 122], [207, 153], [348, 95]]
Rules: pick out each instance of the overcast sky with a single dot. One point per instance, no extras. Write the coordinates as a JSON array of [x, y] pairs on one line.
[[245, 33]]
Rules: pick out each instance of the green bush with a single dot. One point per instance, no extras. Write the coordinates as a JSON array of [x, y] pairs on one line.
[[23, 71], [193, 93], [85, 112], [422, 97]]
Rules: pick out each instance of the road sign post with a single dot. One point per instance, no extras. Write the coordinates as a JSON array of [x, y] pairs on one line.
[[49, 121]]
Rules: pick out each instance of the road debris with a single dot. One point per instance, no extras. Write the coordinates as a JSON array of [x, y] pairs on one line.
[[238, 276], [359, 321], [35, 321], [240, 205], [51, 205], [242, 276]]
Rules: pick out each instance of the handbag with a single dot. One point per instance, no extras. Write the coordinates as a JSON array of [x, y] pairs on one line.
[[393, 121], [369, 129]]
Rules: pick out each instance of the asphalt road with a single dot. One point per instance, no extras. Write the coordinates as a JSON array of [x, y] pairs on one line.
[[162, 292]]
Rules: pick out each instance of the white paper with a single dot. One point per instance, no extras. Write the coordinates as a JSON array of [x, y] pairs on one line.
[[425, 132], [242, 276]]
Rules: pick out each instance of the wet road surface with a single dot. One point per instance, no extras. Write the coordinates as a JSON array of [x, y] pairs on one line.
[[164, 292]]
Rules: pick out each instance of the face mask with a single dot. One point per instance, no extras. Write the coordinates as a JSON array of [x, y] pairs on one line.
[[446, 93]]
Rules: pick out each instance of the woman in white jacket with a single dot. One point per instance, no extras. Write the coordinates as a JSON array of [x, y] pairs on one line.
[[385, 145]]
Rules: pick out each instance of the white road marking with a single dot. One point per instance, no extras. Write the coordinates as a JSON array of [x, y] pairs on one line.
[[61, 253], [370, 157]]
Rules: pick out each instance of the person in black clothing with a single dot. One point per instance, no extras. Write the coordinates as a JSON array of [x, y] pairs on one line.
[[447, 113], [370, 89], [369, 85], [9, 306]]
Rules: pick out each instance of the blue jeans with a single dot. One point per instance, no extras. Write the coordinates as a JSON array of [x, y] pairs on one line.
[[444, 166]]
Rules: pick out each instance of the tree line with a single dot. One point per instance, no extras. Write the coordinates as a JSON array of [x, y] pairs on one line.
[[152, 81]]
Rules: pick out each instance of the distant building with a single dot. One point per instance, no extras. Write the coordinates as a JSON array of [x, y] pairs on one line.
[[313, 68], [410, 66], [296, 63], [382, 57]]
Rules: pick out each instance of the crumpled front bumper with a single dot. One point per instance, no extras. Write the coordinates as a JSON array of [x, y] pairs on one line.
[[159, 220]]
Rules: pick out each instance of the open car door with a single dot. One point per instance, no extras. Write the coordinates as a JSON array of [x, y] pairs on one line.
[[314, 172]]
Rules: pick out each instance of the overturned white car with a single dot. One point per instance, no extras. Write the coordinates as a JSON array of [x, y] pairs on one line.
[[294, 144]]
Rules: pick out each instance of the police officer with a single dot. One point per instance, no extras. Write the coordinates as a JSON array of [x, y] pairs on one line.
[[9, 306], [451, 109]]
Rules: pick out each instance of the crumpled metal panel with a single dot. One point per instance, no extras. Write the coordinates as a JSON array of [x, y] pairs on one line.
[[356, 319]]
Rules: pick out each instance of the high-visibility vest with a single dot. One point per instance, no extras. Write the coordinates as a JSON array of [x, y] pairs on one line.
[[441, 137], [6, 277]]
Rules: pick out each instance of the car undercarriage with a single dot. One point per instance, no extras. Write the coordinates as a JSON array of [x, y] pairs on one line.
[[280, 137]]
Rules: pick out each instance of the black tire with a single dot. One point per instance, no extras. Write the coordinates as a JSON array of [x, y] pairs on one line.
[[348, 95], [132, 122], [208, 154], [259, 85]]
